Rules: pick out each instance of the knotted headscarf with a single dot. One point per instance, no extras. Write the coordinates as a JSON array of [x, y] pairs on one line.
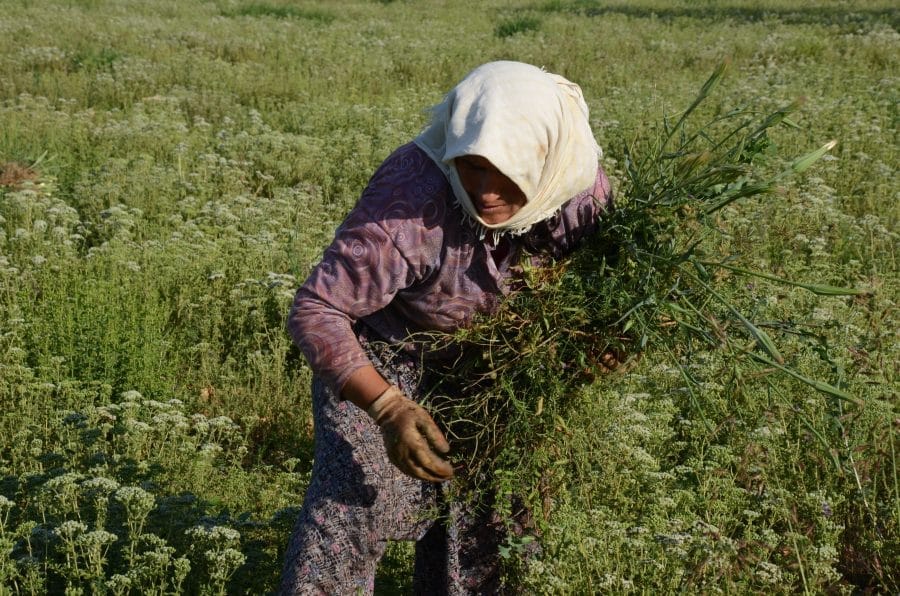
[[530, 124]]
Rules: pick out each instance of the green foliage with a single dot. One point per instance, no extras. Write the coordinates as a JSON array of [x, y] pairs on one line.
[[188, 163], [516, 25], [641, 281], [658, 277], [278, 11], [85, 509]]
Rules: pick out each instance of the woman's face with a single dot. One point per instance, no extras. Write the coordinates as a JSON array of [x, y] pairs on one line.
[[496, 197]]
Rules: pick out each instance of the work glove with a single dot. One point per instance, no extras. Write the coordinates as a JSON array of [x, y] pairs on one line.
[[412, 439]]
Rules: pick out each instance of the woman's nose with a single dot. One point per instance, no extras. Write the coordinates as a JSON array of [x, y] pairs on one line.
[[488, 187]]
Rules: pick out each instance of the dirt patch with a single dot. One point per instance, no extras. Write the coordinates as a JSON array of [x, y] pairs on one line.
[[13, 174]]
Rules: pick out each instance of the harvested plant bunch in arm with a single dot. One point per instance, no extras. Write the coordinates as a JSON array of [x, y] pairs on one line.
[[645, 279]]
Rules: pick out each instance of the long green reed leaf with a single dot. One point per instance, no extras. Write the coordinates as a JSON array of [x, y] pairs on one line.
[[803, 163], [705, 90], [818, 289], [742, 193], [762, 338], [778, 116], [814, 383]]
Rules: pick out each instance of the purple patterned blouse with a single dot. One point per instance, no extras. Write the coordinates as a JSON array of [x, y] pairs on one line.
[[406, 260]]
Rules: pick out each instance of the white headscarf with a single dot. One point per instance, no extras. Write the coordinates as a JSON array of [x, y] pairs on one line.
[[530, 124]]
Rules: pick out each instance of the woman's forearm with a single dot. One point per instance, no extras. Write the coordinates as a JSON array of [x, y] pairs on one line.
[[364, 386]]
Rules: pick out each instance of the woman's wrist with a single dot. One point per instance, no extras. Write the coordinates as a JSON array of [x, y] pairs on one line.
[[364, 386]]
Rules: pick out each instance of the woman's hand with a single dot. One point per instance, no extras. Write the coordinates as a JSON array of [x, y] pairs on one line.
[[413, 441]]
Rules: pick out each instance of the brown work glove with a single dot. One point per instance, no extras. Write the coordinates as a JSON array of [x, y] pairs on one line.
[[412, 439]]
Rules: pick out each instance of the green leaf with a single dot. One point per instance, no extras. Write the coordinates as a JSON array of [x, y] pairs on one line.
[[818, 289], [750, 190], [815, 384], [762, 338], [707, 88], [812, 157]]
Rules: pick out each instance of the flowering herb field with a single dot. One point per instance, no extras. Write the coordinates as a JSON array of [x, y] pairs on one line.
[[170, 171]]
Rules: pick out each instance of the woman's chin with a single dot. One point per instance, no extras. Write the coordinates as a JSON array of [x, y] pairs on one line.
[[493, 218]]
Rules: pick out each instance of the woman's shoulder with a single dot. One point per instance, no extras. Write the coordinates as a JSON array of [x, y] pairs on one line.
[[408, 205], [410, 160], [408, 189]]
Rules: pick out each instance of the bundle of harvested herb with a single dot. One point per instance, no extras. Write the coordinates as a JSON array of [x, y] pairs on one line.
[[644, 279]]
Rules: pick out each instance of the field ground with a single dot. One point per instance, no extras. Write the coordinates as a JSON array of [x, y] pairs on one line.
[[170, 171]]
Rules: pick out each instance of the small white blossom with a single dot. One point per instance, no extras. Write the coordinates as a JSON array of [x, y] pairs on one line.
[[131, 395], [100, 484], [70, 529]]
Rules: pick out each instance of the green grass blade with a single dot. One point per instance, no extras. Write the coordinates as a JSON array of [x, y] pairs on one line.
[[762, 338], [815, 384], [705, 90], [742, 193], [810, 158], [799, 165], [778, 116], [822, 441], [818, 289]]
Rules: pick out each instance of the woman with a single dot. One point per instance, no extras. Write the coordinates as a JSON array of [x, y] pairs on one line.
[[507, 169]]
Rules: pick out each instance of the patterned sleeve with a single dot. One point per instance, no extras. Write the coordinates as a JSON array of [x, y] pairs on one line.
[[359, 273], [363, 268], [578, 218]]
